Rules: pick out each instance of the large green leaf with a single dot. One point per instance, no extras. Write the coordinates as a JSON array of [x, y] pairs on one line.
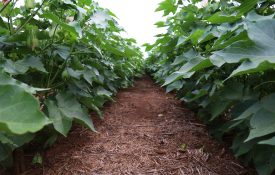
[[260, 53], [252, 67], [61, 123], [22, 66], [262, 47], [249, 111], [262, 123], [177, 85], [63, 51], [195, 64], [177, 76], [20, 112], [71, 108], [245, 50], [188, 69]]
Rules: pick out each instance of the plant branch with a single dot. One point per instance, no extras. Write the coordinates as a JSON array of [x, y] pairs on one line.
[[263, 84], [52, 41], [4, 7], [10, 17]]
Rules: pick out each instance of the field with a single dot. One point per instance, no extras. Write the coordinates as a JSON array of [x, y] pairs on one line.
[[77, 98]]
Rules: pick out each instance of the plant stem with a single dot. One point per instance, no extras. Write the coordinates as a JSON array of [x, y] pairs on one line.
[[263, 84], [58, 71], [52, 41], [4, 7], [10, 17], [49, 45], [62, 66], [57, 85]]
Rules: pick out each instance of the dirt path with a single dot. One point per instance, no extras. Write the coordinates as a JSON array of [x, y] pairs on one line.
[[142, 134]]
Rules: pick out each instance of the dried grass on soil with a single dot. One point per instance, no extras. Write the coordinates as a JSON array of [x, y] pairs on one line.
[[141, 134]]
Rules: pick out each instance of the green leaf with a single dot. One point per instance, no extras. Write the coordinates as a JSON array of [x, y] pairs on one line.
[[102, 91], [194, 95], [262, 123], [216, 108], [233, 91], [196, 35], [100, 18], [177, 85], [62, 51], [20, 111], [254, 16], [114, 50], [270, 141], [22, 66], [177, 76], [20, 140], [6, 140], [249, 111], [230, 38], [240, 147], [268, 102], [181, 40], [160, 24], [262, 48], [89, 102], [262, 36], [195, 64], [179, 60], [71, 108], [3, 24], [167, 6], [61, 123], [220, 17], [33, 62], [246, 6], [130, 52], [248, 67]]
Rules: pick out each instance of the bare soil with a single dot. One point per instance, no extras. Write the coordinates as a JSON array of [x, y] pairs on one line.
[[145, 131]]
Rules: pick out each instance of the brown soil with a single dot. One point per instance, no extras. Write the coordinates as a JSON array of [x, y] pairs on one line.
[[145, 131]]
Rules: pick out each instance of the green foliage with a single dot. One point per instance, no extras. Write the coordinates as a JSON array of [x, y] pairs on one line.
[[59, 60], [19, 111], [220, 60]]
